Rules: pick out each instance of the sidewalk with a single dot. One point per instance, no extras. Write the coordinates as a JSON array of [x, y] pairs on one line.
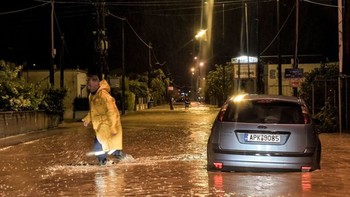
[[34, 135]]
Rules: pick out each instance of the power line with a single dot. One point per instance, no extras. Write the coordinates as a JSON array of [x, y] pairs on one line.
[[278, 33], [69, 2], [24, 9], [137, 35], [321, 4], [62, 36]]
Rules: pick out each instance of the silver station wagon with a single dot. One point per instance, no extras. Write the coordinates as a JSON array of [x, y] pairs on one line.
[[263, 133]]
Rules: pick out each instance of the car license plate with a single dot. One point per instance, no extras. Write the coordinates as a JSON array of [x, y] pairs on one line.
[[257, 137]]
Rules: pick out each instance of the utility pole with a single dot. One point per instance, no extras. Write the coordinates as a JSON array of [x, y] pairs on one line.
[[123, 68], [53, 50], [346, 62], [259, 83], [279, 67], [247, 35], [340, 42], [149, 64], [149, 71], [62, 62], [295, 63], [102, 44]]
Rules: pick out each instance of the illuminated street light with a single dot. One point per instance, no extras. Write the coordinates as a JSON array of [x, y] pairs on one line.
[[201, 34], [192, 70]]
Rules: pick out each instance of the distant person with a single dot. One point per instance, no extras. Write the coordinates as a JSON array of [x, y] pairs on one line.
[[105, 119], [171, 102], [187, 103]]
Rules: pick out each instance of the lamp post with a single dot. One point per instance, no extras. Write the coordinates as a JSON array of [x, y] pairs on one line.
[[200, 36], [53, 50], [200, 79], [193, 89]]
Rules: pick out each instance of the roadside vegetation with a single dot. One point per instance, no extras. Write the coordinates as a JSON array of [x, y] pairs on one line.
[[320, 92], [18, 95]]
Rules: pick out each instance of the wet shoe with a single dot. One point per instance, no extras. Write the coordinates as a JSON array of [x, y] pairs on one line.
[[120, 155], [102, 162]]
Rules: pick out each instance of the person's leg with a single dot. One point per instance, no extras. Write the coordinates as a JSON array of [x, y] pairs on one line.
[[101, 156]]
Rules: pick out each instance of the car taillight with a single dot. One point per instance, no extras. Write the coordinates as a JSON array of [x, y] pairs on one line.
[[218, 165], [306, 168], [306, 118], [306, 115]]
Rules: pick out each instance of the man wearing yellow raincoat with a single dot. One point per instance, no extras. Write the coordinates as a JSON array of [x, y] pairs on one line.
[[105, 119]]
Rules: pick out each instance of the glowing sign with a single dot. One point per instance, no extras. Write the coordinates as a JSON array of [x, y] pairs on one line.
[[244, 59], [293, 73]]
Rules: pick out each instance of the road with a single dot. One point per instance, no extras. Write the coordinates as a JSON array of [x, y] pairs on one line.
[[166, 157]]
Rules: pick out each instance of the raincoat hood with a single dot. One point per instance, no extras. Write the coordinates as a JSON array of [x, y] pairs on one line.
[[104, 86]]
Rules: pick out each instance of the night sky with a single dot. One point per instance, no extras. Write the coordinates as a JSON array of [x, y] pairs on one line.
[[169, 25]]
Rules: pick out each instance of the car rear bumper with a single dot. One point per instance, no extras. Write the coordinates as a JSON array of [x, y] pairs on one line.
[[229, 162]]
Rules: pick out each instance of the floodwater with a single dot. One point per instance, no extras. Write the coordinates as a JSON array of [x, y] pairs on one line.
[[166, 156]]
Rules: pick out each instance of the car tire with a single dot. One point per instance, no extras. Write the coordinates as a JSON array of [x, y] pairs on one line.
[[318, 156]]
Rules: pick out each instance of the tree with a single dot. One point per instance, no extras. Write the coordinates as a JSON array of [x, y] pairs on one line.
[[139, 89], [159, 84], [220, 83], [321, 85]]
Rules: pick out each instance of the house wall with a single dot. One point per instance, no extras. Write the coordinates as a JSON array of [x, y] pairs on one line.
[[272, 78], [74, 81]]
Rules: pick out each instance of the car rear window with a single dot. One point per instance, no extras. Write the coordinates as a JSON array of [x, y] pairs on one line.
[[264, 111]]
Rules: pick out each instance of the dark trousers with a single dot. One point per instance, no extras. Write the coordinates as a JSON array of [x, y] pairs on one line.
[[98, 148]]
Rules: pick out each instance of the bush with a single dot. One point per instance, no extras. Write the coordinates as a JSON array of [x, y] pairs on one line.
[[16, 95], [53, 100], [327, 117], [325, 109]]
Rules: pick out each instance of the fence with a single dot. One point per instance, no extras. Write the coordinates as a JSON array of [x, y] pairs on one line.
[[14, 123], [328, 90]]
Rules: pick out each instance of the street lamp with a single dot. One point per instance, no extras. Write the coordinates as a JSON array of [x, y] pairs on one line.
[[201, 34]]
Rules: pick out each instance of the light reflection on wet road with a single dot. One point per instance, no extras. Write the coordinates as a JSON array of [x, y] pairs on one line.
[[167, 158]]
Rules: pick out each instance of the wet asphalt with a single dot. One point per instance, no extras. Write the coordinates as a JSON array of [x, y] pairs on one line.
[[166, 156]]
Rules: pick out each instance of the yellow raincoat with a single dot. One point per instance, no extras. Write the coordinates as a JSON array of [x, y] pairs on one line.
[[105, 118]]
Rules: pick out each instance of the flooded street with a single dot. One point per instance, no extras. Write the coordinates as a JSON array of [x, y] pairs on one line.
[[166, 157]]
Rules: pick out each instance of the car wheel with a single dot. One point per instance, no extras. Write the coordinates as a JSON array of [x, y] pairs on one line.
[[319, 150]]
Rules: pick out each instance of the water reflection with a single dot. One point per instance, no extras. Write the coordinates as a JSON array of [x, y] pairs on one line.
[[109, 182], [306, 181], [259, 184], [100, 183]]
